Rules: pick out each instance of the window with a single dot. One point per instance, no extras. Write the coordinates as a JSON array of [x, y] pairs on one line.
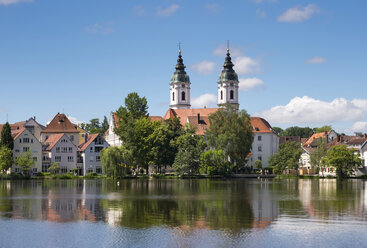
[[25, 140], [91, 149], [35, 159], [173, 96], [98, 158], [70, 159], [90, 170], [98, 149], [57, 158], [259, 138], [17, 150], [17, 170], [72, 138], [99, 170], [70, 149], [231, 95], [57, 149], [31, 140], [64, 169], [34, 170], [20, 140], [44, 167], [221, 95], [183, 96], [91, 159], [259, 158], [25, 149], [259, 148]]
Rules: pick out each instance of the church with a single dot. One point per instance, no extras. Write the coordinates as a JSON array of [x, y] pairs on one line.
[[266, 141]]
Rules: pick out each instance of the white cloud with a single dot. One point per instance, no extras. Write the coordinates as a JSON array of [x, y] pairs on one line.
[[212, 7], [221, 50], [247, 84], [306, 110], [260, 13], [101, 28], [246, 65], [299, 13], [204, 67], [170, 10], [139, 10], [74, 120], [205, 100], [315, 60], [360, 126], [8, 2]]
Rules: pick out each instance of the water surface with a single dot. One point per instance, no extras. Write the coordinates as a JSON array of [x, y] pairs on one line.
[[183, 213]]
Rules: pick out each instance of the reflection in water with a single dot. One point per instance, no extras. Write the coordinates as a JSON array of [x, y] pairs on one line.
[[185, 207]]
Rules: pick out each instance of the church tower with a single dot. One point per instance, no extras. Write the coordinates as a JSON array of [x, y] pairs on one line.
[[228, 84], [180, 86]]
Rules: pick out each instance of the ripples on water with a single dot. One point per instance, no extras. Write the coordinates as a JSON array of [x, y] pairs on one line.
[[183, 213]]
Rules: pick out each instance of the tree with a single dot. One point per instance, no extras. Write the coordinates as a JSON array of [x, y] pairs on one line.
[[6, 139], [215, 162], [6, 159], [104, 126], [190, 147], [54, 168], [116, 161], [318, 153], [343, 159], [231, 131], [322, 129], [164, 146], [258, 165], [303, 132], [278, 130], [94, 126], [25, 162], [287, 157]]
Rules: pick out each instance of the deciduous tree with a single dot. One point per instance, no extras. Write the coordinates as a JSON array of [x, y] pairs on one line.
[[25, 162], [6, 158], [287, 157]]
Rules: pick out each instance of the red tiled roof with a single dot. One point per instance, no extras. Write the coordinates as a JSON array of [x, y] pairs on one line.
[[303, 141], [200, 125], [14, 127], [316, 136], [52, 140], [156, 118], [356, 141], [61, 124], [90, 139], [17, 133], [184, 113], [260, 125]]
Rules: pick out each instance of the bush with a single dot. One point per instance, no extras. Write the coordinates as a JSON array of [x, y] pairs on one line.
[[40, 174]]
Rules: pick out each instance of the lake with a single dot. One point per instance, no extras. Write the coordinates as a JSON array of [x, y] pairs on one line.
[[183, 213]]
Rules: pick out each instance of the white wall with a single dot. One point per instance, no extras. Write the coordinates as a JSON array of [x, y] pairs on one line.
[[64, 163], [269, 145]]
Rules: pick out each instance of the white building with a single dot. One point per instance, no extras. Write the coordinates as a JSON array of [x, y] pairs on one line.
[[90, 154], [110, 135], [25, 141]]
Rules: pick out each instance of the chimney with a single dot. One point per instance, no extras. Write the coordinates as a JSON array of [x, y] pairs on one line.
[[198, 118], [86, 138]]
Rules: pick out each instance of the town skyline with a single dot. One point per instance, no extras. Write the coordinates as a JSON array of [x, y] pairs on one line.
[[299, 63]]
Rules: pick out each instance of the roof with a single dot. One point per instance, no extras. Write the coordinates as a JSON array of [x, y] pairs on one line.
[[14, 127], [61, 124], [52, 140], [285, 139], [156, 118], [316, 136], [303, 141], [90, 139], [17, 133], [192, 116]]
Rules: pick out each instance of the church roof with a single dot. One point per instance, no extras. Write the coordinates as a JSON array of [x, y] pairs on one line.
[[180, 76], [228, 74], [61, 124]]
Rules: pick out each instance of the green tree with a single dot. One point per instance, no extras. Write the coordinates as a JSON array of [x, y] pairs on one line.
[[215, 162], [25, 162], [231, 131], [322, 129], [318, 153], [258, 165], [303, 132], [287, 157], [190, 147], [54, 168], [343, 160], [278, 130], [163, 140], [116, 161], [104, 125], [6, 159], [6, 139]]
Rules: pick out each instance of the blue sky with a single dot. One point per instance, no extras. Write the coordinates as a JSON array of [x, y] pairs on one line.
[[299, 62]]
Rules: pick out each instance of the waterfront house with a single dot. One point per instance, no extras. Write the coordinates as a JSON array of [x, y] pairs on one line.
[[59, 148], [61, 124], [89, 154], [25, 141]]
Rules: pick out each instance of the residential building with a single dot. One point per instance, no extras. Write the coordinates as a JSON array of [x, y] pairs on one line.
[[110, 135], [59, 148], [25, 141], [61, 124], [89, 154]]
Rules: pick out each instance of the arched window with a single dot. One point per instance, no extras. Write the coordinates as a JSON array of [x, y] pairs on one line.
[[231, 95], [183, 96], [221, 95], [173, 96]]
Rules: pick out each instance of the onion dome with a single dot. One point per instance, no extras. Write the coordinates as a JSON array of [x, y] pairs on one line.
[[180, 76], [228, 74]]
